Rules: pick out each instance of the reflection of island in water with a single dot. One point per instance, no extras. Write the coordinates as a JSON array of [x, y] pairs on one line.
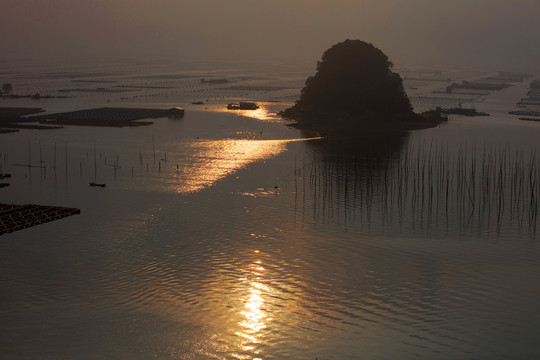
[[364, 174], [383, 183]]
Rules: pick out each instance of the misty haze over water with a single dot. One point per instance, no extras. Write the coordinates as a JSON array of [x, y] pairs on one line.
[[225, 234], [494, 34]]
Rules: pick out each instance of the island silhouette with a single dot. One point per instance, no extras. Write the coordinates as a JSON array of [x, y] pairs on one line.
[[355, 91]]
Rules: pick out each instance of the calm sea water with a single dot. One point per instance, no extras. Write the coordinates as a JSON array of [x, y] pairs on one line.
[[222, 236]]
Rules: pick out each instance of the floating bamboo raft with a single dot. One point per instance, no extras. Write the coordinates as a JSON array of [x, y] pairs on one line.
[[18, 217]]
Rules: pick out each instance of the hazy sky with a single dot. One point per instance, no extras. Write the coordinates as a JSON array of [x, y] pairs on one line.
[[500, 33]]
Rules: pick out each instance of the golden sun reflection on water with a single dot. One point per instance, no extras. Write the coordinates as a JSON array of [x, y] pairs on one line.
[[262, 113], [213, 160], [255, 316]]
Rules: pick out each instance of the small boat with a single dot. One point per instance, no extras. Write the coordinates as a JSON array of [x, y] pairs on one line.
[[96, 184], [3, 185], [4, 176], [243, 106]]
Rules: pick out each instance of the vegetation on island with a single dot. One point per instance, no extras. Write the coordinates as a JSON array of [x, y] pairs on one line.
[[353, 91]]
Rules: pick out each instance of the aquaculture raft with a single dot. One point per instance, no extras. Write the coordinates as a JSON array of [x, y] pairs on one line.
[[18, 217], [117, 117]]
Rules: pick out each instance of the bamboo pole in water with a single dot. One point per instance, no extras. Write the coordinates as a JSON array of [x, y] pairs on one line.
[[66, 156], [154, 148], [54, 161], [95, 164], [486, 188]]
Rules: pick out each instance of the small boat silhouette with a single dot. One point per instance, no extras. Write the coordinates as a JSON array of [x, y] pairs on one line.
[[96, 184], [243, 106]]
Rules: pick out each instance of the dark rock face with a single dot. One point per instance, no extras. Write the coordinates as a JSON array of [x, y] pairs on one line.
[[354, 89]]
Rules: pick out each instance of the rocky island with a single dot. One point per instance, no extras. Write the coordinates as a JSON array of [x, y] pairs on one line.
[[355, 91]]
